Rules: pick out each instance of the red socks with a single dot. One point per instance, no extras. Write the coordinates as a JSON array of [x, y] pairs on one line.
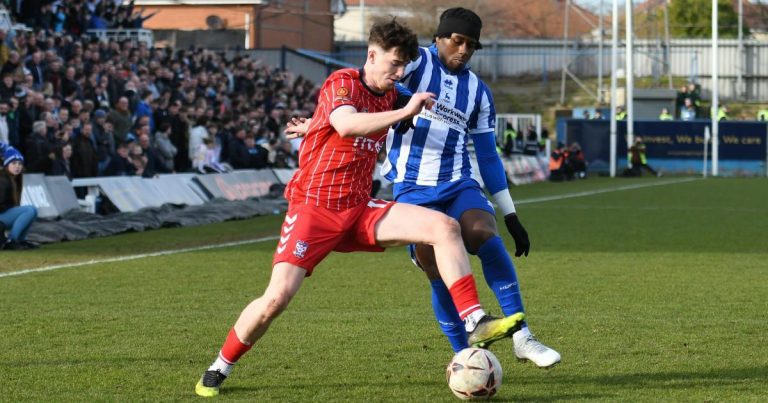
[[464, 294], [233, 348]]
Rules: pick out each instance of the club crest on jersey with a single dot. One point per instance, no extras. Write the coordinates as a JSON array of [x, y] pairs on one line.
[[342, 93], [301, 249]]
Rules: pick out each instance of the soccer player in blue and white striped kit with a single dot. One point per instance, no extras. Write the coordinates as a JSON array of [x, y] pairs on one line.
[[428, 161]]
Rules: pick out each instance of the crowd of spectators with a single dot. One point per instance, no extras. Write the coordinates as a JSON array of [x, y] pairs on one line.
[[75, 17], [83, 107]]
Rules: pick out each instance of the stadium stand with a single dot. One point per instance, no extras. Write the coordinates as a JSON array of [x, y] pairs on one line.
[[67, 71]]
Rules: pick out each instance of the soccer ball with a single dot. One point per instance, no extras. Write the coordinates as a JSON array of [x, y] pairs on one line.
[[474, 373]]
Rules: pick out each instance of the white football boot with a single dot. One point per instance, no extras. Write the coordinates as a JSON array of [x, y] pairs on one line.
[[527, 348]]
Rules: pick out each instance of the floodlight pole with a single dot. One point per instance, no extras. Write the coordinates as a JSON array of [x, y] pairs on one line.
[[565, 52], [740, 60], [630, 73], [614, 67], [715, 100], [668, 56], [706, 140], [363, 37], [600, 97]]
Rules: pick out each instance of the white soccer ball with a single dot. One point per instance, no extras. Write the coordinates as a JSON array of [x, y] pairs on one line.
[[474, 373]]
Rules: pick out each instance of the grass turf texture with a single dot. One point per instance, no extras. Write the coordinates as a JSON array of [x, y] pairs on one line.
[[650, 294]]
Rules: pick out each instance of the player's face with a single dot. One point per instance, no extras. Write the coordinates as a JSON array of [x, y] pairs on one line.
[[456, 50], [387, 68]]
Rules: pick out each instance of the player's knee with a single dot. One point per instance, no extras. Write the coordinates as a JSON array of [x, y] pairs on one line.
[[445, 228], [476, 237]]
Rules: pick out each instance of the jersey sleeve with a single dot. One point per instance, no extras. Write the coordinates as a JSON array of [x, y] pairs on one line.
[[340, 90], [484, 118]]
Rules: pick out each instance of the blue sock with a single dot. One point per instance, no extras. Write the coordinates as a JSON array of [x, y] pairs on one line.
[[499, 272], [447, 316]]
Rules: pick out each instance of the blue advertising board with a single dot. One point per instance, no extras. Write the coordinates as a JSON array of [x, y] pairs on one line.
[[674, 145]]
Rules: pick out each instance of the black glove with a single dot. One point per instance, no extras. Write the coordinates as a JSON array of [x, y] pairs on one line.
[[519, 234], [404, 125]]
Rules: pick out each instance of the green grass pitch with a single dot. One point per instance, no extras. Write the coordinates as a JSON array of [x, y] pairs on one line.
[[651, 289]]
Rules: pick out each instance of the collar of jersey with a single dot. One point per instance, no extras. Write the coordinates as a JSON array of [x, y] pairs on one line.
[[433, 50]]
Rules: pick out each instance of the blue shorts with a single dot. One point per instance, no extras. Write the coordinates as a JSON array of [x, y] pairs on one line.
[[452, 198]]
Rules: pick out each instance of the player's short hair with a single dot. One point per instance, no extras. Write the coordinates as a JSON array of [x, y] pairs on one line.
[[392, 34]]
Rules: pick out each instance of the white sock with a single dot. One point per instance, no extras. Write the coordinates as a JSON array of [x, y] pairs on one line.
[[520, 335], [221, 365], [470, 321]]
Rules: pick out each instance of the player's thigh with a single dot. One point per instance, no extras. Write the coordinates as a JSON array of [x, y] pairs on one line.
[[407, 223], [475, 214], [477, 226]]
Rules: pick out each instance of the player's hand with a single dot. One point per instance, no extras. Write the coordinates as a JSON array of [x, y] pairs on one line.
[[418, 101], [297, 127], [519, 234]]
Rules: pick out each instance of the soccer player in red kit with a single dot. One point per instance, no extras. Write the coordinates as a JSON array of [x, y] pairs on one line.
[[330, 208]]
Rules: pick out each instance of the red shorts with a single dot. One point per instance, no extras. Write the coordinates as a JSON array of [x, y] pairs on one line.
[[310, 233]]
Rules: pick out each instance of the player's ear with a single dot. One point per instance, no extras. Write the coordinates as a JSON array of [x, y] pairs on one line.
[[371, 55]]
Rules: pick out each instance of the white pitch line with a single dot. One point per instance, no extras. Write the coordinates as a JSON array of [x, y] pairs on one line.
[[599, 191], [272, 238], [134, 257]]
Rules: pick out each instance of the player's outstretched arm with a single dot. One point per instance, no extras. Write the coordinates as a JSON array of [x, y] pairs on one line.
[[349, 122]]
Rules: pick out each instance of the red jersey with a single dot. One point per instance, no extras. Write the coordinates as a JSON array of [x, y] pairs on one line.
[[336, 172]]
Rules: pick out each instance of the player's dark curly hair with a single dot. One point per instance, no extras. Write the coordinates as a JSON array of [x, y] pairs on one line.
[[392, 34]]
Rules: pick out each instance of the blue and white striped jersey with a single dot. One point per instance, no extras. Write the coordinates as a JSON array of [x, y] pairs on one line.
[[435, 150]]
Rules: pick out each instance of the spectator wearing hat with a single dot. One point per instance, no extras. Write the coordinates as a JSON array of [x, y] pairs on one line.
[[14, 217]]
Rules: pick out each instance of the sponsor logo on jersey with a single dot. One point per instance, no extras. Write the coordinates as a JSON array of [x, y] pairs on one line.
[[367, 144], [447, 115]]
